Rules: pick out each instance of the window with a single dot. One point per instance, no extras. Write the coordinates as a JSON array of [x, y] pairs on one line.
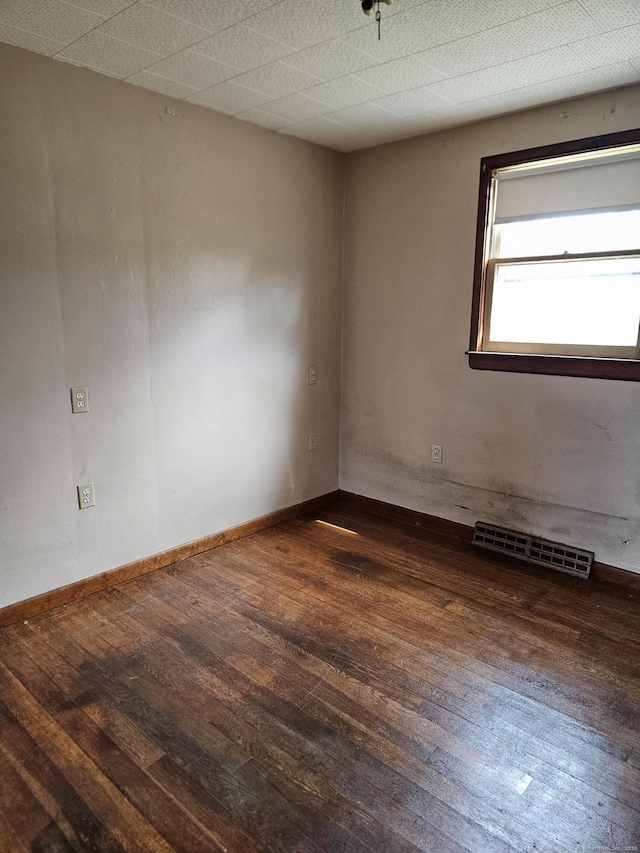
[[557, 275]]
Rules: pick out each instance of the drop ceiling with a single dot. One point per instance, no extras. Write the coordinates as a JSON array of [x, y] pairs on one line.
[[315, 69]]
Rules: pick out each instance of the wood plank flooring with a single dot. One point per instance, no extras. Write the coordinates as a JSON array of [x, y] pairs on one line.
[[340, 682]]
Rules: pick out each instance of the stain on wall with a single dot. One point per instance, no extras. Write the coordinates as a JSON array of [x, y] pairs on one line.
[[552, 455]]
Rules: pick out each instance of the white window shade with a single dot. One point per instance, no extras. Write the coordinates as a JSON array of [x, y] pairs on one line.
[[561, 188]]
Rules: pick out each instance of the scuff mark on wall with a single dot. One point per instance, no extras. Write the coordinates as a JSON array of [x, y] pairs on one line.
[[599, 426]]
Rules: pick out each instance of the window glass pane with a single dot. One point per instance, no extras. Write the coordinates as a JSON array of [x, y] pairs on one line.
[[584, 302], [609, 231]]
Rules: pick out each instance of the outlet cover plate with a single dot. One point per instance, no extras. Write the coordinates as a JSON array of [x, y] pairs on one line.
[[79, 400], [86, 496]]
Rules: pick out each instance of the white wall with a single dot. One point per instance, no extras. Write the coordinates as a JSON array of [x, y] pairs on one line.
[[188, 270], [554, 455]]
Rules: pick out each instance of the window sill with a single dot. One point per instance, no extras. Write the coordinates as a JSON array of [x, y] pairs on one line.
[[557, 365]]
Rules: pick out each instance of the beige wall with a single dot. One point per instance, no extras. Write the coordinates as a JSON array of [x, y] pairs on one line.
[[188, 270], [553, 455]]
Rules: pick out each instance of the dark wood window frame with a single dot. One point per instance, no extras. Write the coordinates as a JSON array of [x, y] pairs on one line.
[[555, 365]]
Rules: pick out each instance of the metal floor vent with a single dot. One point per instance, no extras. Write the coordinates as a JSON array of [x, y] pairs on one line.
[[532, 549]]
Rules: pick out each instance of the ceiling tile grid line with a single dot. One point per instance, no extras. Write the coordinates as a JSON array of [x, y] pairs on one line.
[[310, 82], [406, 113], [182, 82], [306, 69], [106, 8], [52, 19], [153, 4], [148, 5]]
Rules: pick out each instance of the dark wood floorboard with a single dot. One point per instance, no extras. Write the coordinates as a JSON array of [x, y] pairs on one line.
[[341, 682]]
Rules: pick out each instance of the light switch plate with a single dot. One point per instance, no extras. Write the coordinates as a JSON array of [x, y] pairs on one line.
[[79, 400], [313, 375], [86, 496]]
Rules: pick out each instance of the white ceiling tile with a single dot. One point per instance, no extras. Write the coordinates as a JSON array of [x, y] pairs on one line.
[[473, 110], [277, 79], [465, 55], [103, 53], [344, 92], [29, 41], [403, 34], [152, 29], [519, 99], [106, 8], [325, 123], [49, 18], [469, 87], [400, 74], [317, 22], [230, 98], [544, 30], [636, 64], [413, 101], [263, 119], [609, 47], [242, 47], [362, 115], [331, 59], [214, 15], [532, 34], [612, 14], [571, 86], [412, 126], [399, 6], [575, 85], [548, 65], [456, 20], [171, 88], [606, 77], [297, 107], [319, 126], [193, 70]]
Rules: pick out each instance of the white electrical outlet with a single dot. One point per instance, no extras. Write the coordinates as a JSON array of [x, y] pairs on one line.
[[436, 454], [86, 496], [79, 400], [313, 440], [313, 375]]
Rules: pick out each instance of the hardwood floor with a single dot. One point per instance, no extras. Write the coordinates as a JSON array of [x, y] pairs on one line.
[[341, 682]]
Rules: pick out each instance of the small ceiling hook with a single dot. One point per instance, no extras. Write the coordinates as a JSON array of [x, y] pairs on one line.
[[367, 8]]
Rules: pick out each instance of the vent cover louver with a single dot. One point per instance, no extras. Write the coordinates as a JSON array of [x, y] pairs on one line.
[[533, 549]]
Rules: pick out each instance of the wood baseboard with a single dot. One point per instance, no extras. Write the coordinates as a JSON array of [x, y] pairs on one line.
[[31, 607], [601, 572], [612, 574], [63, 595], [412, 517]]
